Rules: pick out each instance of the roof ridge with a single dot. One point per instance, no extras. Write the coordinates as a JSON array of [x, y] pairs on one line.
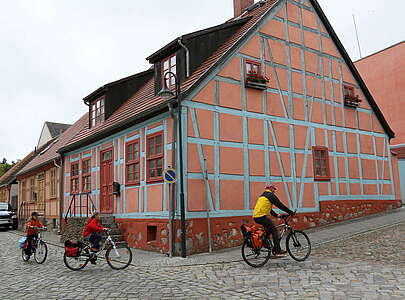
[[379, 51]]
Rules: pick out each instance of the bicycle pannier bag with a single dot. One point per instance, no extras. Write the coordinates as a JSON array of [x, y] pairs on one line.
[[22, 242], [71, 248], [257, 239], [253, 234]]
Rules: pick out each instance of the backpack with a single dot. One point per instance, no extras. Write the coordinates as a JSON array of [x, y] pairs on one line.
[[72, 248], [253, 235]]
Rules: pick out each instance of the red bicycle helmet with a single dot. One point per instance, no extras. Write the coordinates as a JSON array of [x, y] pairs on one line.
[[271, 186]]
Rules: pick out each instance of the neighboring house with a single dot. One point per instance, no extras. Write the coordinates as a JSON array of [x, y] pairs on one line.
[[39, 183], [313, 129], [8, 182], [50, 131], [384, 74]]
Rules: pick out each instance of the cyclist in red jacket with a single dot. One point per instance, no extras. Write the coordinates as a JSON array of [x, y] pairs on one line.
[[91, 231]]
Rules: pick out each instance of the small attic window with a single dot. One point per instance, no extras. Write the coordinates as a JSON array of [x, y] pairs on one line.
[[97, 112], [348, 91], [350, 97], [253, 75], [253, 67], [169, 65]]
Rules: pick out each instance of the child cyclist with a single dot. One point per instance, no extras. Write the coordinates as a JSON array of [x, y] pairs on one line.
[[91, 231], [30, 232]]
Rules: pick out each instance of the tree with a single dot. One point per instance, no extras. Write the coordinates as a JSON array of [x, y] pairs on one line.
[[4, 166]]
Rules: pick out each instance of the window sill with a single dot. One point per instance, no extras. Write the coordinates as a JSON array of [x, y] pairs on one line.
[[132, 184], [52, 197], [256, 85], [154, 180], [352, 102], [322, 179]]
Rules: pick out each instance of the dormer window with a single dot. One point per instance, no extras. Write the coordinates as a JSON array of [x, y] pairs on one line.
[[97, 112], [169, 65]]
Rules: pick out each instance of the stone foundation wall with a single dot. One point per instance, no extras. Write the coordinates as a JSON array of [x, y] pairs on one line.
[[225, 231], [72, 230], [135, 233]]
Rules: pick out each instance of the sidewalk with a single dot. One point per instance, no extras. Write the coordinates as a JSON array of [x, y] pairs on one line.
[[318, 236]]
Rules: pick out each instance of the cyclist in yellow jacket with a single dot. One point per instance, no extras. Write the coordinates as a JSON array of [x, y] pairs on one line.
[[263, 209]]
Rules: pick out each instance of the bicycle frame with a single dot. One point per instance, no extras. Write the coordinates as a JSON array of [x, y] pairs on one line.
[[285, 228], [38, 239], [107, 242]]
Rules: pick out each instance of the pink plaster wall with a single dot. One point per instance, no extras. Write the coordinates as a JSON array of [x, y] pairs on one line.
[[382, 72]]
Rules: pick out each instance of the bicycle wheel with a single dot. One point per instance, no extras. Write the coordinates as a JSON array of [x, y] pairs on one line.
[[255, 257], [24, 256], [76, 263], [41, 252], [298, 245], [119, 258]]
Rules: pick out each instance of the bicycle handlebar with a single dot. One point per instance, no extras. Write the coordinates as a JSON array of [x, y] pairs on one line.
[[285, 216], [38, 228]]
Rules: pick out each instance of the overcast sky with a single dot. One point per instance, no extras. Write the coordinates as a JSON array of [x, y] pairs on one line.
[[54, 53]]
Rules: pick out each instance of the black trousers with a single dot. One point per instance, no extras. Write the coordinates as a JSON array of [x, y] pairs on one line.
[[94, 239], [270, 228], [30, 238]]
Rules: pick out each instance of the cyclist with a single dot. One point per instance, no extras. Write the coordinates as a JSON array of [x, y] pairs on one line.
[[30, 232], [92, 231], [261, 213]]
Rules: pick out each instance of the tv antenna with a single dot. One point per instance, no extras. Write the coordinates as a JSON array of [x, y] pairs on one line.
[[357, 35]]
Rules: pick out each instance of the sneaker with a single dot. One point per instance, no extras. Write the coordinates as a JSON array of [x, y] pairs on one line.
[[93, 261]]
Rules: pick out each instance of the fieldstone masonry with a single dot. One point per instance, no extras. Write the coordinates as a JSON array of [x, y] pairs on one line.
[[74, 227]]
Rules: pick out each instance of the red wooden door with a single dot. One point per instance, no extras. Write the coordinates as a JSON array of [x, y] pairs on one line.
[[106, 181]]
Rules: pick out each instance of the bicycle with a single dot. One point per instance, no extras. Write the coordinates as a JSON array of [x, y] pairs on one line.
[[118, 257], [38, 248], [257, 254]]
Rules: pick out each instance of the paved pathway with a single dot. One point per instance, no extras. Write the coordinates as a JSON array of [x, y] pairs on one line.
[[364, 266]]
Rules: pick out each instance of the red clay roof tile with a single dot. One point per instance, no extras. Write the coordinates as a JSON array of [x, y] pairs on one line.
[[145, 99], [48, 154]]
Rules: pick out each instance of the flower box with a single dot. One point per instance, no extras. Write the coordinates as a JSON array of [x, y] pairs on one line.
[[352, 101], [256, 81]]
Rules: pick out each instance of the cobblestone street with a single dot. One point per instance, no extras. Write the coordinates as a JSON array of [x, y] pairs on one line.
[[367, 266]]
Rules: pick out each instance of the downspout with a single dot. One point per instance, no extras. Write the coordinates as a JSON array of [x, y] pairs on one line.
[[180, 41], [88, 104], [172, 206], [180, 149], [61, 198]]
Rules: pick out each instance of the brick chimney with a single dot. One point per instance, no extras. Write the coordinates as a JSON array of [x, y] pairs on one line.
[[239, 6]]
